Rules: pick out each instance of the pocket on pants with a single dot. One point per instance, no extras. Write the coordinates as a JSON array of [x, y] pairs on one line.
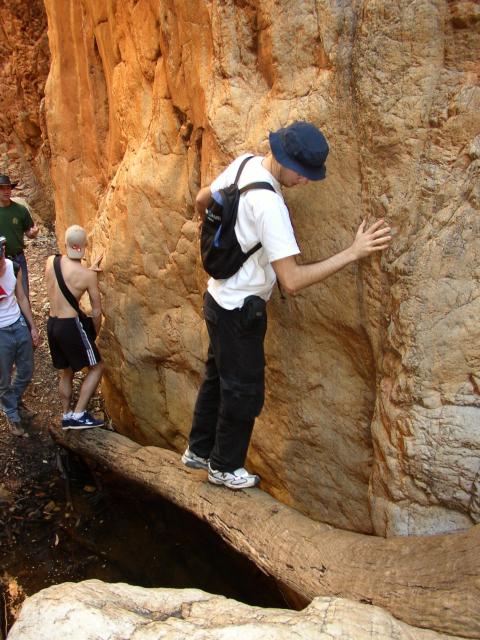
[[253, 313], [242, 400]]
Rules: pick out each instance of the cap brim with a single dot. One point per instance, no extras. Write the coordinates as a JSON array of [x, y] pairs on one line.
[[312, 173]]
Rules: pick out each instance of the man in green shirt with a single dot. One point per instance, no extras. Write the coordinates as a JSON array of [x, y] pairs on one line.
[[15, 221]]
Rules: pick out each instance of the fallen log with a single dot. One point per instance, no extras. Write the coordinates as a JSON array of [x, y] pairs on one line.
[[431, 582]]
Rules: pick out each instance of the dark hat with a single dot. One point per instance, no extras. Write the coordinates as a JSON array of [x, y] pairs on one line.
[[301, 147], [5, 180]]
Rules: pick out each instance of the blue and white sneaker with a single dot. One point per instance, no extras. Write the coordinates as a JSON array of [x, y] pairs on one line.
[[67, 420], [85, 421], [193, 461], [238, 479]]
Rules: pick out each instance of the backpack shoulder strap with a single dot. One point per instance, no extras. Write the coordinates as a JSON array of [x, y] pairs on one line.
[[61, 283], [240, 168], [257, 185], [252, 185], [253, 249]]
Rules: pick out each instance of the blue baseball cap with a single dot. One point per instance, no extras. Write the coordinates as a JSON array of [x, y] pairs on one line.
[[301, 147]]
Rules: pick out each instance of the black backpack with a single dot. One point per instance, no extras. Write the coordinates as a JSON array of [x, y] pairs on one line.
[[222, 255]]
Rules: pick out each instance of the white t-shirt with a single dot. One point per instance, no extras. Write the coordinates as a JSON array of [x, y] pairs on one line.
[[9, 309], [262, 217]]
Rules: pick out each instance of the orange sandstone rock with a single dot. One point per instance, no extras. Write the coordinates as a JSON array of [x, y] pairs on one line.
[[372, 405], [25, 61]]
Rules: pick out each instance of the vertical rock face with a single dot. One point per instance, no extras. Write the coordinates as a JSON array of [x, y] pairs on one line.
[[373, 376], [419, 120], [25, 60]]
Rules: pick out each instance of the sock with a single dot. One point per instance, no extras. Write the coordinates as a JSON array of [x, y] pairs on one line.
[[67, 415], [76, 415]]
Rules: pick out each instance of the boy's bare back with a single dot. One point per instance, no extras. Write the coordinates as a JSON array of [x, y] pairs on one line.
[[78, 279]]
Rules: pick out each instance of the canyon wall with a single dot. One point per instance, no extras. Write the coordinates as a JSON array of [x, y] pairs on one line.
[[372, 376], [24, 66]]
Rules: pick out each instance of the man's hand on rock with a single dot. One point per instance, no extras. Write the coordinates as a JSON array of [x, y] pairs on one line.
[[376, 238]]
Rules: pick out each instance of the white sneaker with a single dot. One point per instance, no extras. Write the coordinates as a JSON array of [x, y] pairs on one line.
[[238, 479], [193, 461]]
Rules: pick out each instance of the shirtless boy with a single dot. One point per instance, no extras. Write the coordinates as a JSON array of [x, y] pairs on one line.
[[70, 347]]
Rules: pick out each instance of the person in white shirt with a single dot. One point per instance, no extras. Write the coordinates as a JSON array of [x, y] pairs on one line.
[[232, 393], [17, 340]]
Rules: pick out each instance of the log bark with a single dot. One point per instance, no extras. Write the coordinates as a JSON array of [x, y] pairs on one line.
[[430, 582]]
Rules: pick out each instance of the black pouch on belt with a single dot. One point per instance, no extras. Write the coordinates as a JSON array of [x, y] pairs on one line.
[[253, 311]]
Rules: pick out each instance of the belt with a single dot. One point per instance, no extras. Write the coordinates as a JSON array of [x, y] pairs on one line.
[[20, 253]]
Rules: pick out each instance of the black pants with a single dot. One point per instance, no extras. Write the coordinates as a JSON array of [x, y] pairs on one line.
[[233, 391]]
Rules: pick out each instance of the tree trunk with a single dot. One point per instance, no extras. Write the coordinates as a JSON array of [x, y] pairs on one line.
[[431, 582]]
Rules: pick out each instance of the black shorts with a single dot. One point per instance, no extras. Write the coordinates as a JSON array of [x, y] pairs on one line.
[[69, 345]]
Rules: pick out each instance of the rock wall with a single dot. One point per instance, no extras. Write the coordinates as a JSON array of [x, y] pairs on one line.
[[420, 123], [373, 376], [24, 66]]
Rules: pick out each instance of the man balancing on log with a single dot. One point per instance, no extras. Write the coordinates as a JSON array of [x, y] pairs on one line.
[[247, 244]]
